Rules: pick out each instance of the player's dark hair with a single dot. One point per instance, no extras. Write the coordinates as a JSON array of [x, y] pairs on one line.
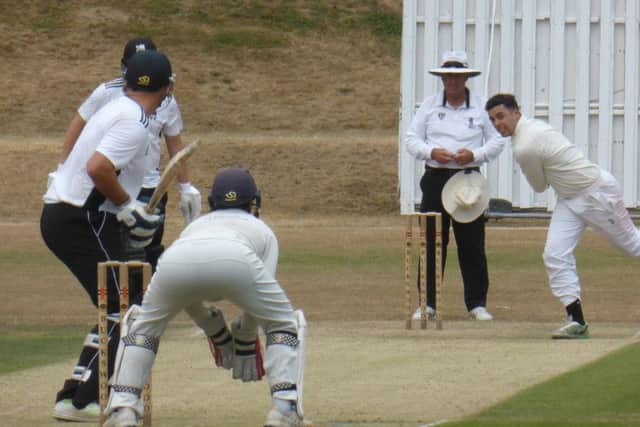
[[506, 99]]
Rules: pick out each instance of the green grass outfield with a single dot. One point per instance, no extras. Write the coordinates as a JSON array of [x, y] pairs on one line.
[[603, 393], [30, 347]]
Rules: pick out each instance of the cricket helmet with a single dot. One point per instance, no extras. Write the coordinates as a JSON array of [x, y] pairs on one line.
[[148, 71], [233, 188]]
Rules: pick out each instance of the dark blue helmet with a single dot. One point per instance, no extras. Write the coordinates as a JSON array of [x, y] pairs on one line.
[[233, 188]]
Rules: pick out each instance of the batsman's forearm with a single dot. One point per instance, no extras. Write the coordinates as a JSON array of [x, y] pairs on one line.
[[103, 174]]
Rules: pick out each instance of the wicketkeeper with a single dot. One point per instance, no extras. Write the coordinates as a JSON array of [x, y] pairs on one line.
[[228, 254]]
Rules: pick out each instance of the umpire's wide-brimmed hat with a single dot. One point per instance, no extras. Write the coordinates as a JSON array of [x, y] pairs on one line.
[[455, 62], [465, 196]]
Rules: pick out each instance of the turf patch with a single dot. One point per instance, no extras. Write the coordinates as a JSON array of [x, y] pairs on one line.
[[27, 348], [602, 393]]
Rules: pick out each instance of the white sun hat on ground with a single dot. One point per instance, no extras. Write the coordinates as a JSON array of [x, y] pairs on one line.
[[465, 196], [455, 62]]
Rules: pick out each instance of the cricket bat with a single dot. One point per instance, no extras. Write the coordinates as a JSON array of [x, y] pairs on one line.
[[169, 173]]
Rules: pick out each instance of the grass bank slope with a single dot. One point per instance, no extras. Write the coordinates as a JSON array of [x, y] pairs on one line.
[[313, 65]]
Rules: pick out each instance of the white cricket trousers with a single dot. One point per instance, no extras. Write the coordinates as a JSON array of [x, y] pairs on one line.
[[192, 271], [602, 208]]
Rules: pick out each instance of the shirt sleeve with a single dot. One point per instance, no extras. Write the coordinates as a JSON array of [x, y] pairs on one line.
[[270, 259], [121, 143], [416, 137], [493, 142], [93, 103], [174, 123]]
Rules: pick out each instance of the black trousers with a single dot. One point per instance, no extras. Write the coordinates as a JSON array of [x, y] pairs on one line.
[[81, 238], [470, 239]]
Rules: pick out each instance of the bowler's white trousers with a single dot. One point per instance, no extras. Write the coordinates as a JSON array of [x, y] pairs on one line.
[[602, 208]]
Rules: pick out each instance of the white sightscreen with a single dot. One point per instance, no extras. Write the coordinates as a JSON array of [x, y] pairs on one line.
[[573, 63]]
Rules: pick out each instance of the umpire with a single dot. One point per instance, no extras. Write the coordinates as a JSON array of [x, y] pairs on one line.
[[452, 132], [91, 213]]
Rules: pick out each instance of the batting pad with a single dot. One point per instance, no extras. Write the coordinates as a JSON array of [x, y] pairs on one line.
[[134, 360]]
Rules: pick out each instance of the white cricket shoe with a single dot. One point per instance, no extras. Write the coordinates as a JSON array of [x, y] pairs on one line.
[[64, 410], [431, 313], [480, 313], [571, 330], [276, 418], [123, 417]]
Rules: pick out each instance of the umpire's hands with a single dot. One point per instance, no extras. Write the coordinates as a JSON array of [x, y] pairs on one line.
[[247, 358], [190, 202], [141, 225]]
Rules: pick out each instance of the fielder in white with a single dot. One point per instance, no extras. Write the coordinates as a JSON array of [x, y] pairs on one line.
[[228, 254], [587, 196]]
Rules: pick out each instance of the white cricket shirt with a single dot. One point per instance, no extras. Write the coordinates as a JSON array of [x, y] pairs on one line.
[[167, 120], [119, 132], [437, 124], [239, 226], [548, 158]]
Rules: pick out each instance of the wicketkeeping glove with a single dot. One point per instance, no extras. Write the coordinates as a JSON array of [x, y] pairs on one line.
[[190, 202], [141, 225], [221, 342], [247, 358]]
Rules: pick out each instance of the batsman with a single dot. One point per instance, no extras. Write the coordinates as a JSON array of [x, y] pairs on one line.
[[228, 254]]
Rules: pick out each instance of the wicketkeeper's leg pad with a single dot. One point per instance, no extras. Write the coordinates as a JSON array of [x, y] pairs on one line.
[[134, 359], [284, 360]]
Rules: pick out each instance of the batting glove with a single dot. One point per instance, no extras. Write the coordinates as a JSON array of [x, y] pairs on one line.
[[190, 202], [141, 225], [247, 358], [221, 342]]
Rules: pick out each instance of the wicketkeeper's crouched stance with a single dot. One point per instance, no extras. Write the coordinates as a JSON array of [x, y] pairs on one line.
[[228, 254]]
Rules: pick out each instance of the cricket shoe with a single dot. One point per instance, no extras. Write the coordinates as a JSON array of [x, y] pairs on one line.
[[480, 313], [431, 313], [571, 330], [66, 411], [276, 418], [123, 417]]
